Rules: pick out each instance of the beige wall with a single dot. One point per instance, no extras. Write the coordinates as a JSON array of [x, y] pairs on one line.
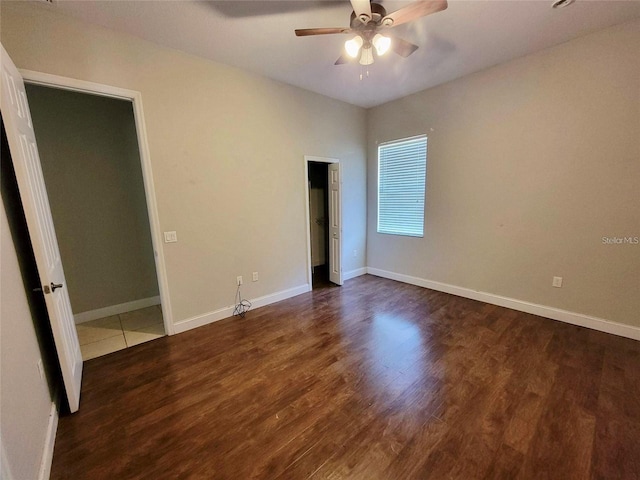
[[91, 165], [227, 152], [25, 402], [530, 164]]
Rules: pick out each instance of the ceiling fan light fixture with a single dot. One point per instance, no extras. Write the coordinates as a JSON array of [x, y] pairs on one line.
[[352, 46], [381, 43], [366, 57]]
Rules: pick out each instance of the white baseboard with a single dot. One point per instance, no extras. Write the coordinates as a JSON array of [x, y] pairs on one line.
[[579, 319], [354, 273], [116, 309], [227, 312], [47, 452]]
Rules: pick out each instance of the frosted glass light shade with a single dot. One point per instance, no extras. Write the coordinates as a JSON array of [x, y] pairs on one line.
[[353, 46], [366, 58], [381, 43]]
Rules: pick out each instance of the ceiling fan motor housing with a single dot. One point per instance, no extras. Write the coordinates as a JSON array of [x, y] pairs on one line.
[[378, 12]]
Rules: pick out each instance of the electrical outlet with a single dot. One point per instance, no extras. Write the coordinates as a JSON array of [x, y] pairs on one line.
[[170, 237], [557, 282], [239, 280], [355, 253], [40, 369], [255, 276]]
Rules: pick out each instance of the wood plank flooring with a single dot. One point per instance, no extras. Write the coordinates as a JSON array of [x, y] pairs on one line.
[[373, 380]]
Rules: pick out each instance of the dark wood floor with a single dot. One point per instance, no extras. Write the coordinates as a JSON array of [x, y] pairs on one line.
[[374, 380], [320, 277]]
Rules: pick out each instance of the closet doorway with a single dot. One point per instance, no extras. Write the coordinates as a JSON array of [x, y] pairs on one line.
[[324, 221], [319, 217]]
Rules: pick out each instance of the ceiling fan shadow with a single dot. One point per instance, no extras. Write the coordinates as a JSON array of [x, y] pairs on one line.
[[436, 49], [255, 8], [434, 52]]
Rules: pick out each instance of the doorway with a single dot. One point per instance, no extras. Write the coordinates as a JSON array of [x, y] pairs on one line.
[[319, 223], [323, 188], [93, 170]]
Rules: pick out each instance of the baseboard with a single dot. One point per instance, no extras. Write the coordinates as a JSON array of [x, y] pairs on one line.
[[116, 309], [354, 273], [47, 452], [226, 312], [566, 316]]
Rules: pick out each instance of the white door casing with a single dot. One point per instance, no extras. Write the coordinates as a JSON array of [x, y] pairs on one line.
[[33, 193], [335, 224]]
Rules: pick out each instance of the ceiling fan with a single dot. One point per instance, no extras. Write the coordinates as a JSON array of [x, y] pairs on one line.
[[368, 19]]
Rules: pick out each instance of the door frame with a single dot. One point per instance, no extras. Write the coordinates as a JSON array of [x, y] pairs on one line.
[[307, 159], [135, 97]]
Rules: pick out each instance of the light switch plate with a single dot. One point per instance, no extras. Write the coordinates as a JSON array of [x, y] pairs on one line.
[[170, 237]]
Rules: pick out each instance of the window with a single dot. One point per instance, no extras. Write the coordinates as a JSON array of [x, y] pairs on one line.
[[402, 173]]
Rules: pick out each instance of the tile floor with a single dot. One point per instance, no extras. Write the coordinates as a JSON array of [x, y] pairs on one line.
[[110, 334]]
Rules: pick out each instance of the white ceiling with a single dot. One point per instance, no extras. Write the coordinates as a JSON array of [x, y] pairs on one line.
[[258, 36]]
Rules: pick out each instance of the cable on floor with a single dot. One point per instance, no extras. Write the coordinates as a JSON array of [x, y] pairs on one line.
[[242, 306]]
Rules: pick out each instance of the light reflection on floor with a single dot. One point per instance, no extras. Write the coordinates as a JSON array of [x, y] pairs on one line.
[[395, 349]]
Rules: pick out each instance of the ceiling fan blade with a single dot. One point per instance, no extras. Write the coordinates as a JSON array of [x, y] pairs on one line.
[[415, 10], [362, 9], [402, 47], [304, 32], [342, 60]]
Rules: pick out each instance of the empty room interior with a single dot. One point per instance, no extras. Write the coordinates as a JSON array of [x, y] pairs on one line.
[[350, 239]]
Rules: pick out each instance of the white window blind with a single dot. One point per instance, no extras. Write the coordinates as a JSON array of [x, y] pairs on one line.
[[402, 174]]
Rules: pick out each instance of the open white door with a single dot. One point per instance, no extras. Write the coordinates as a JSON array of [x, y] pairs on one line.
[[335, 224], [33, 193]]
